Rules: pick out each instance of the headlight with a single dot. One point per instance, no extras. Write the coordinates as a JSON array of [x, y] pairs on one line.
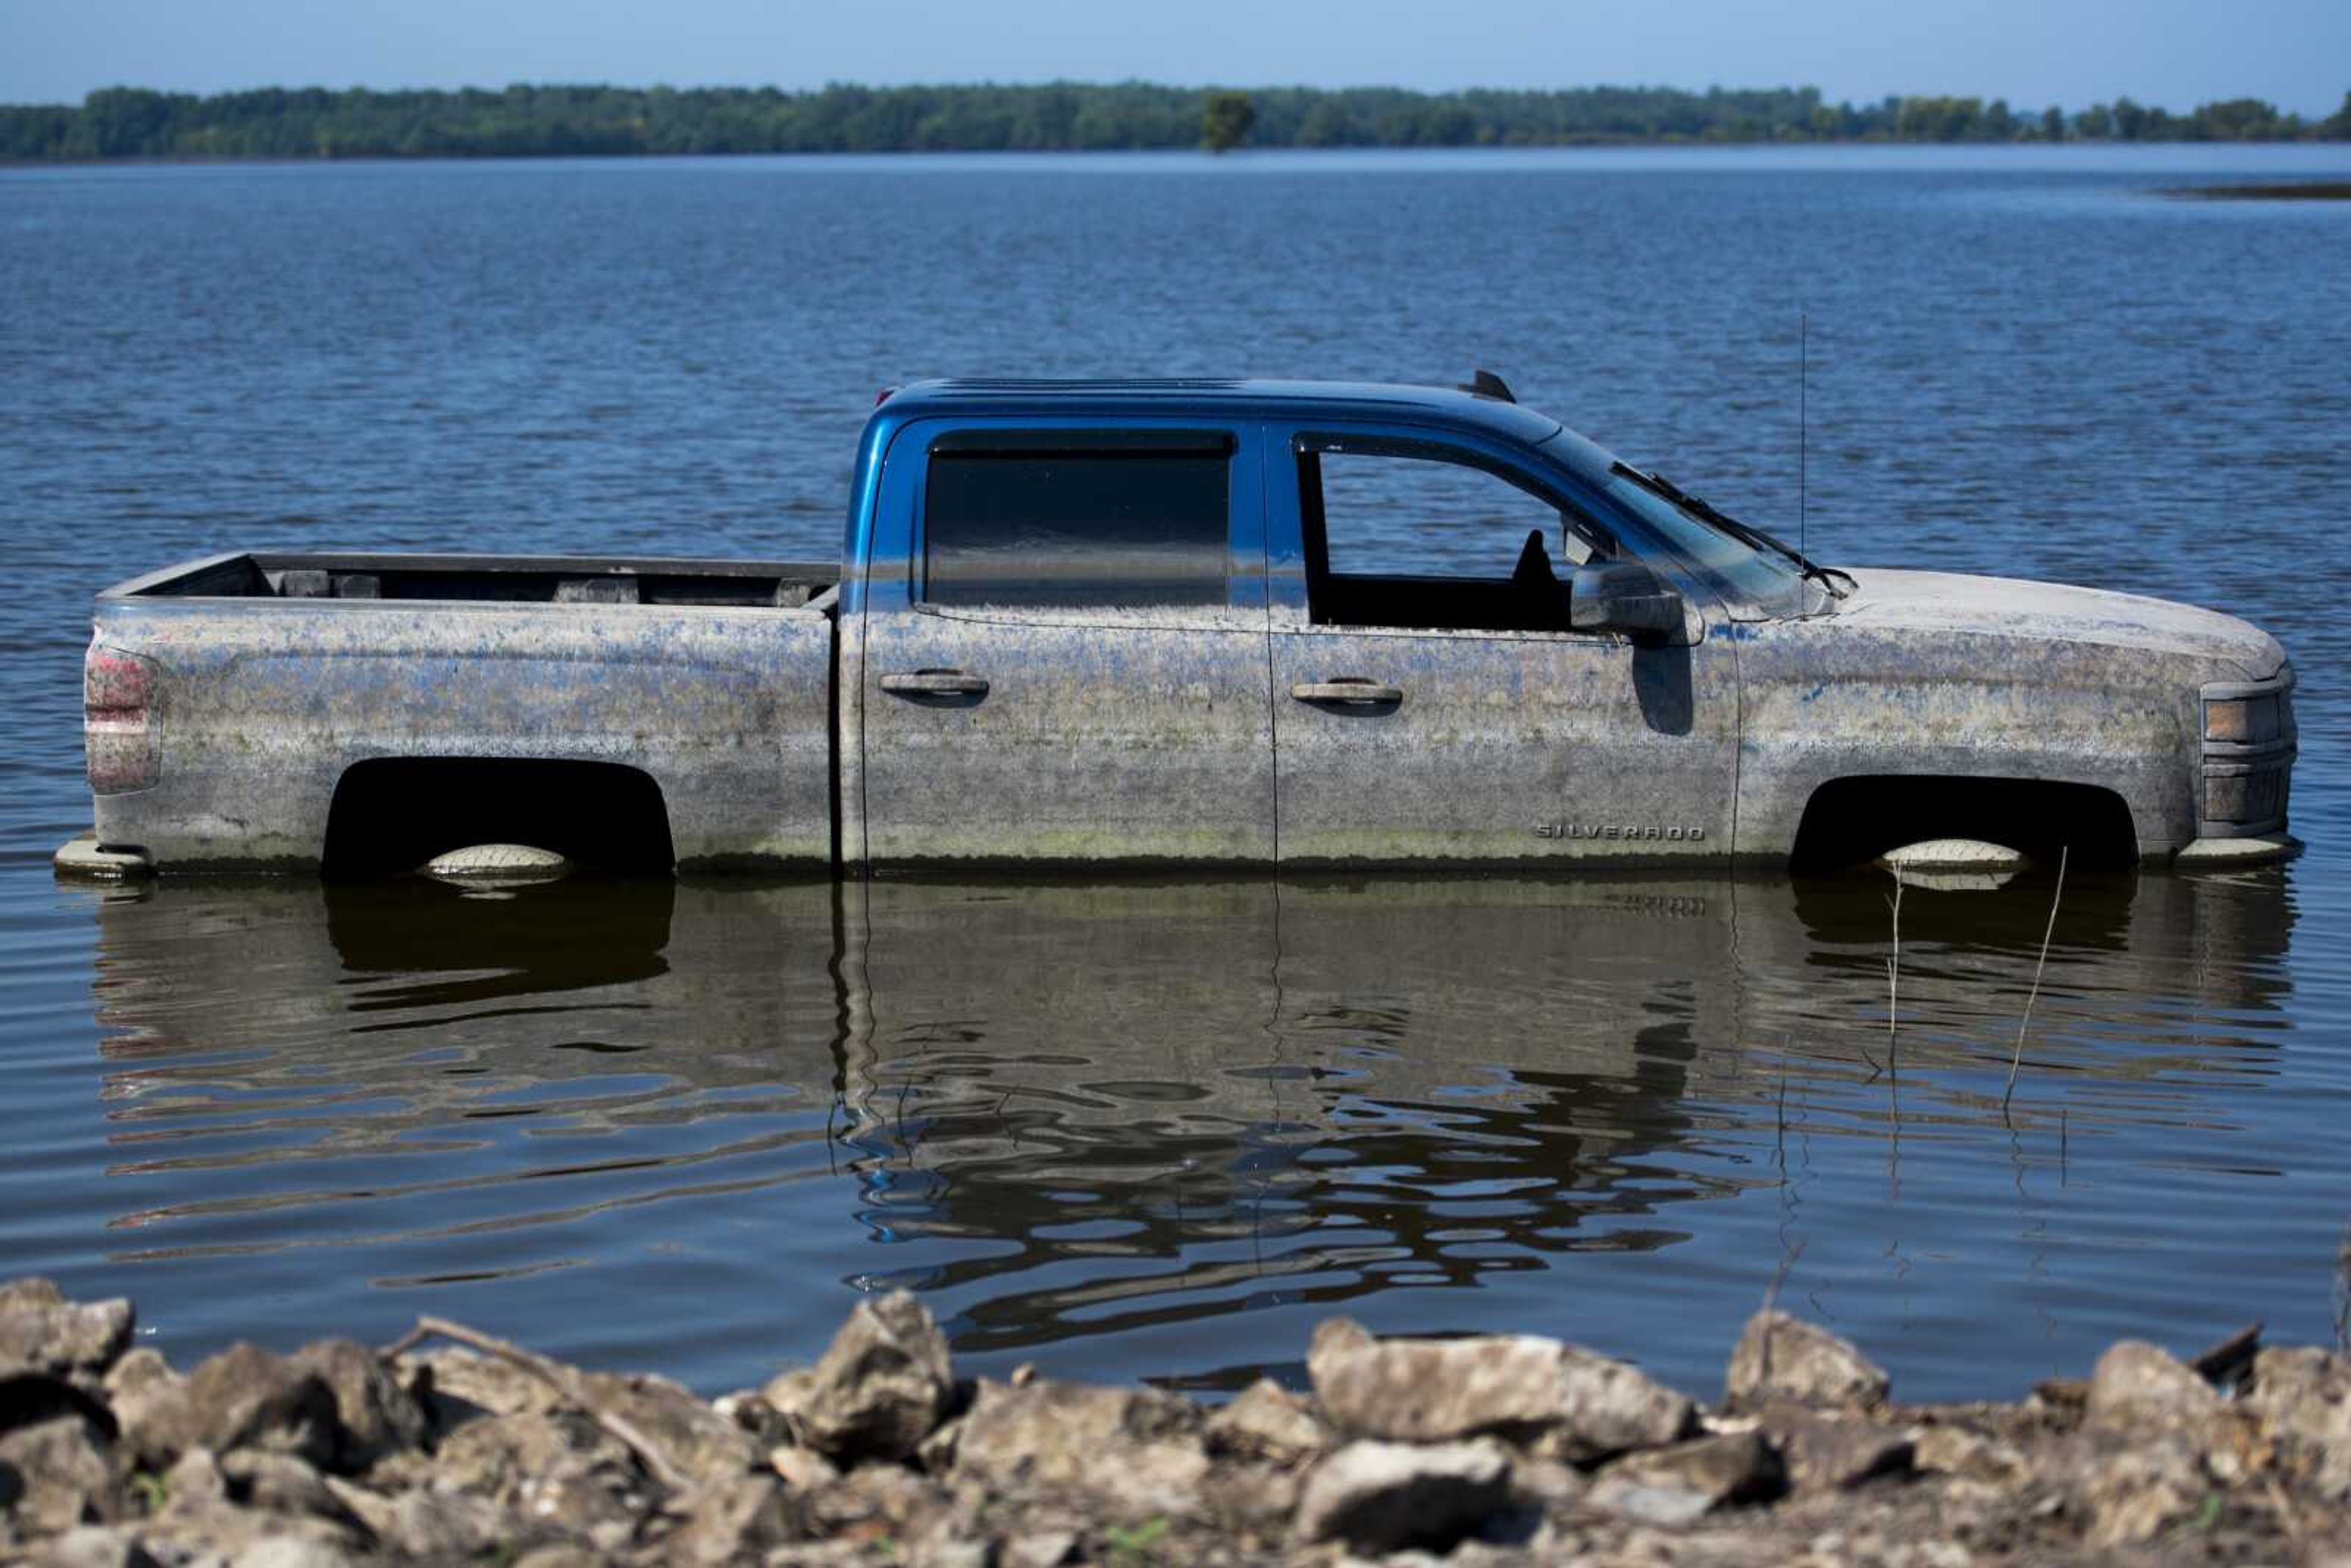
[[2241, 721]]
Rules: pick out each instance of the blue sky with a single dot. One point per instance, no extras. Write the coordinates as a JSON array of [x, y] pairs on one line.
[[2296, 53]]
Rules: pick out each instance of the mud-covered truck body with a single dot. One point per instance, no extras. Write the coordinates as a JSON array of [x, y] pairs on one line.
[[1178, 623]]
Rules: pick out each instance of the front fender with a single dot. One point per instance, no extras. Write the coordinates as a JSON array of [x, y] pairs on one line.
[[1821, 701]]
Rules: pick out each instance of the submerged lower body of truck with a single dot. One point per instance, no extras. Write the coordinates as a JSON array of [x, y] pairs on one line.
[[363, 712], [366, 713]]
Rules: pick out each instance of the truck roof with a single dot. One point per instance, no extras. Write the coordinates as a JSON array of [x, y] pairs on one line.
[[1220, 398]]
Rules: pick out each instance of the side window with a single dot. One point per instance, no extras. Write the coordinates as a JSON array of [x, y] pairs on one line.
[[1404, 533], [1030, 520], [1422, 516]]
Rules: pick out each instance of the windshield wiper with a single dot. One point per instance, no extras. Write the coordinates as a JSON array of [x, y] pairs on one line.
[[1747, 533]]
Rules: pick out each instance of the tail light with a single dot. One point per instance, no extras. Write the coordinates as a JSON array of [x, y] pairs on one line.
[[119, 723]]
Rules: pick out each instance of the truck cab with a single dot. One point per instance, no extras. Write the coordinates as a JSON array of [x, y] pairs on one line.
[[1190, 622]]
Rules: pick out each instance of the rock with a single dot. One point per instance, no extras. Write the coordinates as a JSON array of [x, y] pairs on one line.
[[1672, 1485], [65, 1471], [882, 1388], [283, 1484], [462, 1388], [208, 1535], [195, 1481], [1781, 1357], [689, 1434], [1582, 1405], [2062, 1394], [290, 1552], [802, 1469], [1135, 1453], [936, 1456], [1956, 1451], [435, 1525], [1251, 1499], [1384, 1496], [151, 1407], [2139, 1391], [456, 1387], [1543, 1484], [42, 1331], [734, 1519], [946, 1550], [137, 1369], [94, 1546], [875, 1503], [2138, 1491], [554, 1467], [1670, 1507], [1266, 1421], [1825, 1453], [2304, 1397], [376, 1412], [561, 1555], [2136, 1385], [1044, 1549], [753, 1414], [246, 1397]]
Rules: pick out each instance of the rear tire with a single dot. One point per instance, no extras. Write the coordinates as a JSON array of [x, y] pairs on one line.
[[397, 813]]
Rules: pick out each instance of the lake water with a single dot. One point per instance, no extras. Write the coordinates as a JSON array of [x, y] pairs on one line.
[[1158, 1130]]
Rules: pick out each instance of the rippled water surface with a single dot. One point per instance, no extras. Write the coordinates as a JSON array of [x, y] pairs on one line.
[[1157, 1129]]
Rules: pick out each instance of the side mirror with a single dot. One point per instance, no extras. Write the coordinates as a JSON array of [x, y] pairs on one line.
[[1626, 597]]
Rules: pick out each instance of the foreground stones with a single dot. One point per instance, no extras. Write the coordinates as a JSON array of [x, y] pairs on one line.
[[1488, 1450]]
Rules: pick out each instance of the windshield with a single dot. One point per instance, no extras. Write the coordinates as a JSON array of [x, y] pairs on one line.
[[1750, 580]]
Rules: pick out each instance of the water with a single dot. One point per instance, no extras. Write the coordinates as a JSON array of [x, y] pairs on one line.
[[1158, 1130]]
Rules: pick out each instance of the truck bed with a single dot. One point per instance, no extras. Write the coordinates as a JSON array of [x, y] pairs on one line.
[[503, 579], [363, 712]]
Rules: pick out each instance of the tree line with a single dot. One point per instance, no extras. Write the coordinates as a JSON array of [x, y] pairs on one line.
[[568, 122]]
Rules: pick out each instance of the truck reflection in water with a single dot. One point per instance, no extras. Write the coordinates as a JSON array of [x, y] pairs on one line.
[[1111, 1116]]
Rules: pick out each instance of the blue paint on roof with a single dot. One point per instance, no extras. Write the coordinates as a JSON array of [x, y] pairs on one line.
[[1215, 398]]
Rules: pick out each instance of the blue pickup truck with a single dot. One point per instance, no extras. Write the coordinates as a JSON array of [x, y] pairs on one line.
[[1183, 623]]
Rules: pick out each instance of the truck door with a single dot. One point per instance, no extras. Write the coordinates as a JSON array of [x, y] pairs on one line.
[[1431, 707], [1063, 654]]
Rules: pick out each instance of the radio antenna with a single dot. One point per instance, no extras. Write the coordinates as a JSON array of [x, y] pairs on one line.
[[1803, 428]]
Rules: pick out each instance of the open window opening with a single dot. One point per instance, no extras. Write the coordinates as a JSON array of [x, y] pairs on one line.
[[1411, 535]]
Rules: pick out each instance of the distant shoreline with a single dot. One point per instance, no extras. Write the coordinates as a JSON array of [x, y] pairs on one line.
[[318, 125], [2283, 189]]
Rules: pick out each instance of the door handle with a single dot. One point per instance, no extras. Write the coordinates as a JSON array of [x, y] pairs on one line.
[[1349, 689], [936, 684]]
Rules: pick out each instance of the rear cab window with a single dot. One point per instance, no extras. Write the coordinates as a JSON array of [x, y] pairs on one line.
[[1079, 520]]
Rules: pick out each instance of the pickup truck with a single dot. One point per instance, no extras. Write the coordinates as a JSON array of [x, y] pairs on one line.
[[1085, 624]]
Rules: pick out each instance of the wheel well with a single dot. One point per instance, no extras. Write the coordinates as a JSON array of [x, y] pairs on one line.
[[1852, 820], [394, 813]]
